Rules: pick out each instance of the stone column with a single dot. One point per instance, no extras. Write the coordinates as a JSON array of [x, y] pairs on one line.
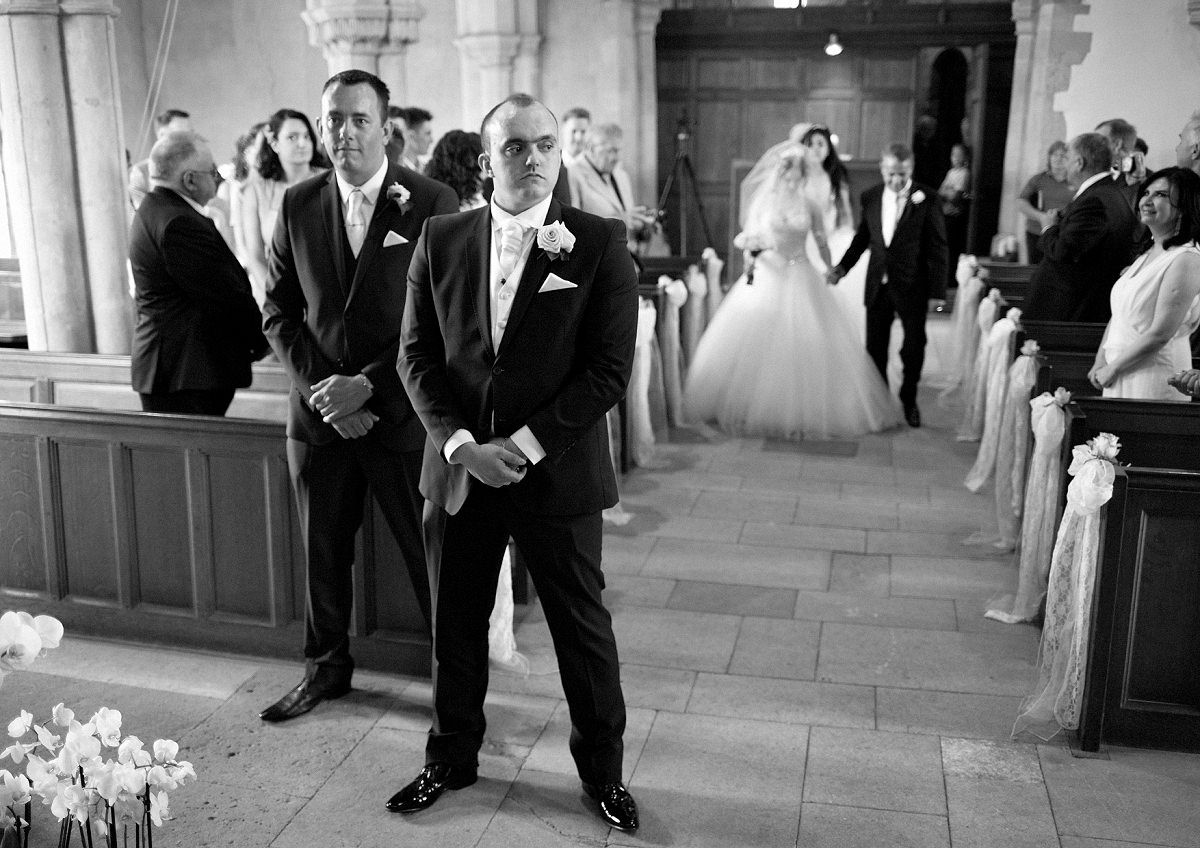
[[498, 45], [95, 105], [645, 138], [487, 72], [372, 35], [1010, 220], [39, 163]]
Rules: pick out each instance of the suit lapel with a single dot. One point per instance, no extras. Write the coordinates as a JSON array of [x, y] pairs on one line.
[[478, 275], [537, 267], [385, 210], [335, 233]]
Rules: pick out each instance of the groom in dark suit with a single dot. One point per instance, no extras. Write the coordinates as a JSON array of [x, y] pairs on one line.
[[906, 275], [518, 338], [335, 299]]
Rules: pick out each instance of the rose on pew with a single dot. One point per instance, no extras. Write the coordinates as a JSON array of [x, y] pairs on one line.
[[1105, 446]]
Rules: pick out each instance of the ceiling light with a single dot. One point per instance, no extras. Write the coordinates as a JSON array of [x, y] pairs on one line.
[[790, 4], [834, 47]]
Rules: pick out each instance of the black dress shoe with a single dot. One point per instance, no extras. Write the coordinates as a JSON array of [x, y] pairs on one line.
[[433, 780], [616, 805], [302, 699], [912, 415]]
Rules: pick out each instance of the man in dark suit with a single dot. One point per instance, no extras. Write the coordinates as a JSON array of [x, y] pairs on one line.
[[518, 338], [1088, 246], [906, 275], [335, 298], [198, 327]]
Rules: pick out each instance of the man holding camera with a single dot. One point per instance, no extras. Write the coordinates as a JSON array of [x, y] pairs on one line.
[[1087, 245]]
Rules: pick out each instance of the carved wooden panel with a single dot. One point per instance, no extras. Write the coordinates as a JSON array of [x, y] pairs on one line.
[[674, 73], [1164, 638], [240, 536], [720, 73], [767, 122], [21, 555], [716, 139], [885, 121], [19, 390], [87, 520], [777, 73], [889, 72], [161, 527], [839, 72], [841, 115]]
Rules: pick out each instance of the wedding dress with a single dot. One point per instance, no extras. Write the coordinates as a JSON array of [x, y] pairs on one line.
[[781, 357], [839, 231]]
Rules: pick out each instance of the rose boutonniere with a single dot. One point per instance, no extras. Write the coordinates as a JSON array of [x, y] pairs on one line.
[[555, 239], [399, 195], [917, 197]]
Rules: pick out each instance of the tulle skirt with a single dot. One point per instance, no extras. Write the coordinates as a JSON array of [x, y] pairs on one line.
[[782, 358]]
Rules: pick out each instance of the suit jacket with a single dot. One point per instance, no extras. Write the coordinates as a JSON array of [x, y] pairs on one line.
[[563, 362], [592, 193], [915, 261], [327, 313], [1083, 254], [198, 326]]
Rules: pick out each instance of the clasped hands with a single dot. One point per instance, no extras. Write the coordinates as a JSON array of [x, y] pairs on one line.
[[1101, 375], [340, 401], [1187, 382], [498, 463]]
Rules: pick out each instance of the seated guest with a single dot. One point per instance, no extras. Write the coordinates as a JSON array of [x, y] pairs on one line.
[[289, 155], [1156, 302], [1187, 152], [601, 186], [1045, 194], [171, 120], [198, 328], [1087, 245], [455, 162]]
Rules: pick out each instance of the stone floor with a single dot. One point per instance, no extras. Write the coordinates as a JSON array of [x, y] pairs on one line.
[[804, 658]]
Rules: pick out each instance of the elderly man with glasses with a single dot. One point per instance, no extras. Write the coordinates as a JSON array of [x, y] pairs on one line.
[[198, 327]]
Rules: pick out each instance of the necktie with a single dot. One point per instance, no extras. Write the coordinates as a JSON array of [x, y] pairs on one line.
[[356, 221], [512, 239]]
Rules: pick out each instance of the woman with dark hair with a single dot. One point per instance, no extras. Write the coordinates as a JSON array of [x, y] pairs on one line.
[[1156, 302], [455, 162], [830, 188], [289, 154]]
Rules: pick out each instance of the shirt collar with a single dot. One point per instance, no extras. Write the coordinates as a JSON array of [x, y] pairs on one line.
[[1092, 180], [370, 188], [903, 192], [533, 217], [190, 202]]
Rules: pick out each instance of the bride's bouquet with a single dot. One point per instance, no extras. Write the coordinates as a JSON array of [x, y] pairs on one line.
[[753, 243]]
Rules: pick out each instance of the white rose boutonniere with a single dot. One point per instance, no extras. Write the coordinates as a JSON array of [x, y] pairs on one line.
[[399, 195], [917, 197], [555, 239]]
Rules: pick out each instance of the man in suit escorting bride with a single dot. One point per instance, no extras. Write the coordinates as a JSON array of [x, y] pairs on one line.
[[906, 275]]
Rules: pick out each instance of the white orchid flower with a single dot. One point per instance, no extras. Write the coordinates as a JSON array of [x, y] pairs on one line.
[[62, 716], [17, 751], [131, 751], [47, 739], [50, 630], [159, 810], [20, 725], [108, 726]]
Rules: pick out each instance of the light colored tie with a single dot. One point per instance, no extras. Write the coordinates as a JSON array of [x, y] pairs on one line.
[[356, 221], [512, 239]]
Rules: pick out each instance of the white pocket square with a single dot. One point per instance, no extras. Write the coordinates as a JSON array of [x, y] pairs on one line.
[[554, 283], [393, 238]]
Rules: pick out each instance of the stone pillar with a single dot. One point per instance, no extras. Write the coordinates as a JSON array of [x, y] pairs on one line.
[[1010, 220], [39, 163], [644, 141], [372, 35], [498, 45], [95, 105]]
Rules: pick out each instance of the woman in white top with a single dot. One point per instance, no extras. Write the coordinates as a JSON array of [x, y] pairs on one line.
[[289, 155], [1156, 302]]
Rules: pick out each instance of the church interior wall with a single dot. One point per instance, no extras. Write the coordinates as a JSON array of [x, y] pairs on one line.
[[1143, 66]]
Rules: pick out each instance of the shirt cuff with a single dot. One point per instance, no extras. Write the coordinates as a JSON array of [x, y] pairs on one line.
[[529, 445], [457, 439]]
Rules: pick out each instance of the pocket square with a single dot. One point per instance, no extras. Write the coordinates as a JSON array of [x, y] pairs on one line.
[[554, 283], [393, 238]]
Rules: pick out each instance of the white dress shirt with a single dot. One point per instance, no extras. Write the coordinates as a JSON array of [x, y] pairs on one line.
[[1090, 181], [502, 292], [891, 207], [370, 190]]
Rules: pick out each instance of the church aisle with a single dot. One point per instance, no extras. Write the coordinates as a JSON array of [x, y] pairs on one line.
[[805, 662]]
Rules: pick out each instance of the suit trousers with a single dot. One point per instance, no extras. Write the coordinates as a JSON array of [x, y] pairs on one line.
[[189, 401], [880, 315], [562, 554], [330, 482]]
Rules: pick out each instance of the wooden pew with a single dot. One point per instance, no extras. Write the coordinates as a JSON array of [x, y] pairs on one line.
[[1143, 680], [1011, 278], [1069, 349], [179, 530]]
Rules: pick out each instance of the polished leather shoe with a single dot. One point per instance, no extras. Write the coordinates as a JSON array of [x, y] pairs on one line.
[[912, 415], [433, 780], [616, 805], [302, 699]]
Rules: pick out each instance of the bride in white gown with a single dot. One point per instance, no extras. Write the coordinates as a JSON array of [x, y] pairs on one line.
[[781, 357]]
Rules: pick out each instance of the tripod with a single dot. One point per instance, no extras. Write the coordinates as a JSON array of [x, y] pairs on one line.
[[681, 170]]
